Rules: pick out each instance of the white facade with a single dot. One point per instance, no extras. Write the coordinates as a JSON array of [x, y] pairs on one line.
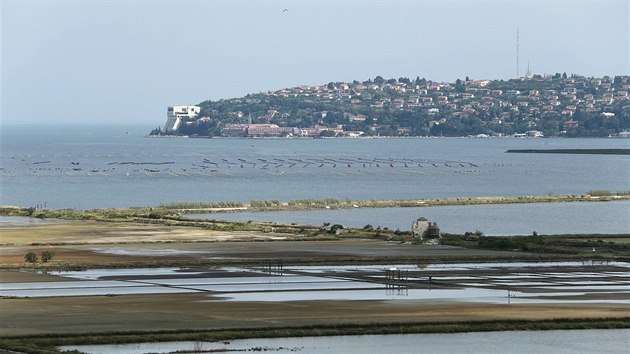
[[175, 114]]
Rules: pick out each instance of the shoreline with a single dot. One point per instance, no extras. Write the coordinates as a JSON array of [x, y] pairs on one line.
[[333, 203], [37, 343], [193, 207], [377, 137]]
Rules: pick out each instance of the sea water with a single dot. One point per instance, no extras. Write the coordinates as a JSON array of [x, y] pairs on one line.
[[117, 166]]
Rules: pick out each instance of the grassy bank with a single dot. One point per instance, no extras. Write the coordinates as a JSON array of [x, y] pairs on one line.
[[165, 219], [171, 214], [608, 246], [48, 343], [175, 209], [324, 260], [348, 203]]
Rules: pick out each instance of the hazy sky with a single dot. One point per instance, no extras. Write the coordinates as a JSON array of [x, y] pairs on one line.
[[126, 61]]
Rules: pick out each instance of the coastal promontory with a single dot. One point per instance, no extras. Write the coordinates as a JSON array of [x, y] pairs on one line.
[[530, 106]]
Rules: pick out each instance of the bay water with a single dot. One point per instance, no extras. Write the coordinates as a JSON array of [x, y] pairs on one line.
[[493, 220], [92, 166]]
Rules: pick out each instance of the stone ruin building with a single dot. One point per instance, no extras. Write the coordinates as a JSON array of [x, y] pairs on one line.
[[424, 229]]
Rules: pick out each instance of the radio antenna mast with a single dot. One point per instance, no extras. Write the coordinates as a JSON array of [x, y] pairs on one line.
[[517, 52]]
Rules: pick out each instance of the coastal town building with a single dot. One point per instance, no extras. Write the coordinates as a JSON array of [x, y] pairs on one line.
[[175, 114], [257, 130], [234, 130]]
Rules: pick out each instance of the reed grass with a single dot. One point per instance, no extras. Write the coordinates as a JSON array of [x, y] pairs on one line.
[[40, 344]]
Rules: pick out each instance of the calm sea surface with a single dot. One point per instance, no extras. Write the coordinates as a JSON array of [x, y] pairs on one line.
[[116, 166]]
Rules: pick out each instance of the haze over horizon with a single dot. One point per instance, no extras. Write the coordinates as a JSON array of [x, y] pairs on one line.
[[125, 62]]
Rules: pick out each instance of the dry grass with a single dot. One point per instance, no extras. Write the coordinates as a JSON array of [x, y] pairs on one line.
[[93, 232], [20, 277], [90, 243]]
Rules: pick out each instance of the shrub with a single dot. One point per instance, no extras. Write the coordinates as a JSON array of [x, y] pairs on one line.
[[599, 193], [497, 244], [47, 256], [332, 201]]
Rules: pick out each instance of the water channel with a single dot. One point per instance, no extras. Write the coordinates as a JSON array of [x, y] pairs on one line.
[[559, 342], [506, 219]]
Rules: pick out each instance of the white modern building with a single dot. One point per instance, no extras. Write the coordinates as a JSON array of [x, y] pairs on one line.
[[175, 114]]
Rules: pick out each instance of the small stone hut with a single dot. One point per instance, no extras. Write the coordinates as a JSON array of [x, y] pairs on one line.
[[425, 229]]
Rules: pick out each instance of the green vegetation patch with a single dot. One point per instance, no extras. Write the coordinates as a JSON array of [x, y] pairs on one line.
[[44, 344], [579, 245]]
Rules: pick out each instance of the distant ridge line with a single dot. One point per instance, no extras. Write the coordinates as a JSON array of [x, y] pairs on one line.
[[572, 151]]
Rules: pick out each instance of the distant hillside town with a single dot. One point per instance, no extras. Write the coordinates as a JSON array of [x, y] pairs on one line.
[[534, 105]]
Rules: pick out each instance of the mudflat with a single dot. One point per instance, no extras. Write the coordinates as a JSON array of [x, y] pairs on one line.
[[99, 244], [199, 311]]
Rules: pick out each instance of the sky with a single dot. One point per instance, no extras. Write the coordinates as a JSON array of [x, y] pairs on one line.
[[114, 61]]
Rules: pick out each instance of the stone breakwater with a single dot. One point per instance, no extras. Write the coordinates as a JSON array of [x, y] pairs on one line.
[[572, 151]]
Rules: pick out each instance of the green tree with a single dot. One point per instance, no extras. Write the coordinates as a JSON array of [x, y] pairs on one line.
[[551, 127], [30, 257], [156, 131], [459, 87], [327, 134], [335, 227]]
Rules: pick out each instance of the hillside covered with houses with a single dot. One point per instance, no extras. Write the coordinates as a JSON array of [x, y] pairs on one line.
[[555, 105]]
